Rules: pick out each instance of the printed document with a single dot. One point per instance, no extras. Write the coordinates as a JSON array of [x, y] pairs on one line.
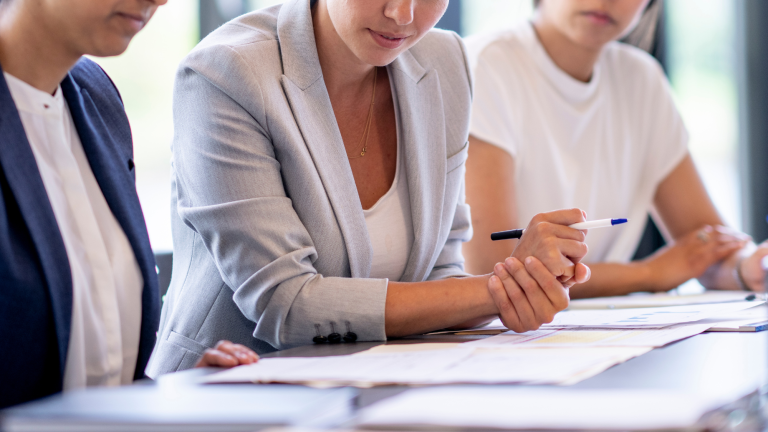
[[434, 366], [582, 338], [646, 317]]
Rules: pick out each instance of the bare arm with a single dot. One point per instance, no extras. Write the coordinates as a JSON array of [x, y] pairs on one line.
[[703, 248], [420, 307], [685, 206], [491, 196], [523, 295]]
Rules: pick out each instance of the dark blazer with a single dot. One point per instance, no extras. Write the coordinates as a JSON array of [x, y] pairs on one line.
[[35, 279]]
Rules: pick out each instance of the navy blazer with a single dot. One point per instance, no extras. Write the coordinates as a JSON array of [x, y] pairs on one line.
[[36, 293]]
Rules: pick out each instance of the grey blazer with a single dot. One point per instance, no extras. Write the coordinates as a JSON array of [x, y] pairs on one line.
[[270, 242]]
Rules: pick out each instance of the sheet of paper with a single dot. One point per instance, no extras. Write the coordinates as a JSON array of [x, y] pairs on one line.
[[356, 370], [537, 408], [581, 338], [733, 322], [646, 317], [534, 366], [643, 300], [730, 312], [434, 366]]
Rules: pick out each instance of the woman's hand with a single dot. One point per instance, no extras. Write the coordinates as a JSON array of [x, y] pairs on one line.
[[549, 239], [692, 255], [755, 267], [227, 354], [529, 295]]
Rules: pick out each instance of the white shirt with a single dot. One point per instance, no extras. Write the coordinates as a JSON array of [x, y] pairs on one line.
[[602, 146], [106, 279], [390, 223]]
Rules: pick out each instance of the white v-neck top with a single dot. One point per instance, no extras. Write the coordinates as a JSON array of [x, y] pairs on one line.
[[602, 146], [390, 223], [106, 279]]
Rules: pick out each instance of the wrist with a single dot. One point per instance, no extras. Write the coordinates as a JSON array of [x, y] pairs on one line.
[[738, 275], [488, 306], [648, 276]]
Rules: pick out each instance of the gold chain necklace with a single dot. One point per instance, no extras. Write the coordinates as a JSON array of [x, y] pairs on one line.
[[367, 130]]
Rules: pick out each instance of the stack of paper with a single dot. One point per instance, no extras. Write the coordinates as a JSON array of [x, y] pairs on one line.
[[425, 365], [729, 316], [577, 345], [537, 408], [642, 300], [646, 317], [582, 338]]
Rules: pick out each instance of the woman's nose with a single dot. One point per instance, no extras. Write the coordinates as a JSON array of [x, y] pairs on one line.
[[401, 11]]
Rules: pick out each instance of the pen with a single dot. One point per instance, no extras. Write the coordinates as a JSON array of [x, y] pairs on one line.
[[602, 223]]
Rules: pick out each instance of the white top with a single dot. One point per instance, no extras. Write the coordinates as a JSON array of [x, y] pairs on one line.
[[390, 223], [106, 279], [602, 146]]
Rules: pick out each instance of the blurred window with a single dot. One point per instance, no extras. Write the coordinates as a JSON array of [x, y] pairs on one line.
[[144, 75], [701, 63]]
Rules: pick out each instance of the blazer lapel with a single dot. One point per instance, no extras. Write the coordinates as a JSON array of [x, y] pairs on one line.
[[422, 131], [311, 105], [111, 171], [21, 172]]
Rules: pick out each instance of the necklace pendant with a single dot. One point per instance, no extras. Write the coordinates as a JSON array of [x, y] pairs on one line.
[[362, 153]]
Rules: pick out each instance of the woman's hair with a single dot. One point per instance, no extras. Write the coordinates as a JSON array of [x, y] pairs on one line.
[[644, 34]]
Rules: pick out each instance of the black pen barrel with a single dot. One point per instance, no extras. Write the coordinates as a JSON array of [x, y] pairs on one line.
[[507, 235]]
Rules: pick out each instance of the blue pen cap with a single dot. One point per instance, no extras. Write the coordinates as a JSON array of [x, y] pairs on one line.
[[618, 221]]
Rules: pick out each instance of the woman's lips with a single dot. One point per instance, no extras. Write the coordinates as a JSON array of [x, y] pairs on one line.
[[136, 22], [387, 41], [600, 18]]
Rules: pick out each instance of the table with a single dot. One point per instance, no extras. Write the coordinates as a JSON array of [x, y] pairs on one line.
[[710, 362]]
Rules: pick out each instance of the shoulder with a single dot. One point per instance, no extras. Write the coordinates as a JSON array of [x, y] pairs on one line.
[[630, 64], [445, 52], [90, 76], [493, 50], [253, 35], [91, 79], [439, 49], [240, 59], [491, 44]]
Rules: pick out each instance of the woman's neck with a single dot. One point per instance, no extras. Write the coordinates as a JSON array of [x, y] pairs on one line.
[[29, 51], [343, 72], [574, 59]]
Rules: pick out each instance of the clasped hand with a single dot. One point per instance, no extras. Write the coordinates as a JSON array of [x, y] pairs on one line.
[[531, 286]]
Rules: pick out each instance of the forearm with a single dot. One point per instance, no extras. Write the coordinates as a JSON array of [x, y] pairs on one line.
[[420, 307], [613, 279]]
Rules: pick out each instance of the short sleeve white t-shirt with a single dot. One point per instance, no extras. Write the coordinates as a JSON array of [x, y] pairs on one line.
[[602, 146]]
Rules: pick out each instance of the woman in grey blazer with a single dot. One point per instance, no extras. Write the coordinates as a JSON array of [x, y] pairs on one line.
[[316, 146]]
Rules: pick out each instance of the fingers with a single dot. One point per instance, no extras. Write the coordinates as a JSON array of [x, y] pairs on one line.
[[243, 354], [227, 354], [583, 273], [214, 358], [517, 296], [548, 229], [561, 217], [543, 309], [507, 311], [554, 290]]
